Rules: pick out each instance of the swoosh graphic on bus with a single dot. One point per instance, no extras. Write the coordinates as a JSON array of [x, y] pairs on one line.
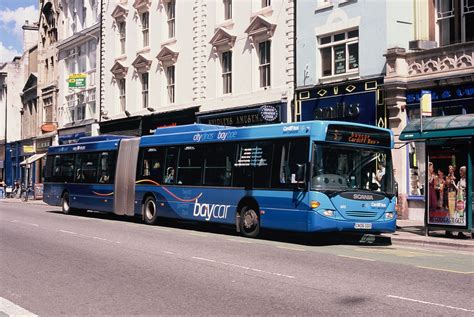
[[169, 192], [103, 195]]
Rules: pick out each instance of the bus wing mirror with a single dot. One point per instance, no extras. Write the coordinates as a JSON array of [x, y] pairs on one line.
[[301, 173]]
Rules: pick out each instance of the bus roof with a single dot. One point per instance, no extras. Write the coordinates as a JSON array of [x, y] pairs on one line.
[[88, 144], [204, 133]]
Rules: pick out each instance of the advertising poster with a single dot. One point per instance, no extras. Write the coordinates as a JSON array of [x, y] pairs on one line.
[[447, 186]]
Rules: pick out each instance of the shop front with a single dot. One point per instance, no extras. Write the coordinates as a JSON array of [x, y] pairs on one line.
[[127, 126], [354, 101], [446, 173], [267, 113], [27, 150], [168, 119], [73, 134]]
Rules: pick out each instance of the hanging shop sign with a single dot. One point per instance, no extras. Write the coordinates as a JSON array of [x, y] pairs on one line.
[[77, 80]]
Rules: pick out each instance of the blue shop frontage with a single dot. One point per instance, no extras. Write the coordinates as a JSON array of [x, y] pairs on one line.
[[358, 101], [16, 153]]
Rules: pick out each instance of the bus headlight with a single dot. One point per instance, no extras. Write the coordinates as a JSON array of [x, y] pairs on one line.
[[328, 213], [389, 215]]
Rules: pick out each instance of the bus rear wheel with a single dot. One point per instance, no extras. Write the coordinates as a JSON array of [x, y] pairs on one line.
[[66, 207], [249, 222], [150, 213]]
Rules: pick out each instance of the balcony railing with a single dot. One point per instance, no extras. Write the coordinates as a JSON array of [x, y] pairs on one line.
[[457, 57]]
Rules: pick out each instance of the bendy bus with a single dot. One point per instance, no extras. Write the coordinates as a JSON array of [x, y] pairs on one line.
[[306, 177]]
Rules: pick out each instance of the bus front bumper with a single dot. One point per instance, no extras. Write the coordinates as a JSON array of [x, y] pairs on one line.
[[319, 223]]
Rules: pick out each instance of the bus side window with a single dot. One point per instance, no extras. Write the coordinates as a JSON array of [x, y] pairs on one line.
[[152, 164], [298, 154], [218, 164], [56, 168], [48, 171], [67, 168], [107, 168], [190, 165], [253, 164], [170, 164], [86, 168]]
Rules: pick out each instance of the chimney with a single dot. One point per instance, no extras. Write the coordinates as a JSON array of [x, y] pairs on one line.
[[30, 35]]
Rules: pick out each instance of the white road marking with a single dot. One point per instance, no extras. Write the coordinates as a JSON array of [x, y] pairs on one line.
[[65, 231], [25, 223], [355, 257], [202, 259], [444, 270], [169, 252], [429, 303], [242, 267], [88, 237], [239, 240], [10, 309], [290, 248]]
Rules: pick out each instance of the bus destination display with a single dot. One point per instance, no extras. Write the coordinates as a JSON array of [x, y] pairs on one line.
[[349, 134]]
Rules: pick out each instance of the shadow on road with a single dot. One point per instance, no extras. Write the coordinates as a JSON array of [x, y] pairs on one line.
[[309, 239]]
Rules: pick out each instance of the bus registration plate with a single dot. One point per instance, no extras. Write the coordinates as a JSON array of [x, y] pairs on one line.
[[359, 225]]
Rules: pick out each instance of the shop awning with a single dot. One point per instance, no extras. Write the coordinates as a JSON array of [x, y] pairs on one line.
[[439, 127], [32, 159]]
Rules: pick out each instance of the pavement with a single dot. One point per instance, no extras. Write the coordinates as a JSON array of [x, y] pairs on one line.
[[409, 232]]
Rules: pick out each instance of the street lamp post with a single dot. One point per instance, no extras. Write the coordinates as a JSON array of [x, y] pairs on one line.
[[4, 87]]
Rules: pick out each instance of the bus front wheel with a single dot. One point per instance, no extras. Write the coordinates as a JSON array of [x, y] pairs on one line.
[[150, 213], [249, 222]]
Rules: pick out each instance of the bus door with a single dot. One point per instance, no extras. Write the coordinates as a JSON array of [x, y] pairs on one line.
[[125, 173]]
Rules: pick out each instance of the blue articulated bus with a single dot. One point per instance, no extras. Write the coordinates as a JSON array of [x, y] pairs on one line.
[[306, 177]]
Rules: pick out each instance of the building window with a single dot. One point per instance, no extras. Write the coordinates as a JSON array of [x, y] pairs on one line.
[[122, 36], [92, 54], [81, 107], [266, 3], [82, 62], [227, 9], [339, 53], [227, 72], [145, 28], [264, 63], [170, 83], [145, 90], [170, 11], [123, 104], [454, 19], [90, 100]]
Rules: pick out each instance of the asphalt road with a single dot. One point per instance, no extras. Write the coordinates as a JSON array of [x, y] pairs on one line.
[[53, 264]]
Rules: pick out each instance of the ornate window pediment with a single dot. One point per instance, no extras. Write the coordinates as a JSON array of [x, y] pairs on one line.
[[119, 70], [167, 57], [120, 13], [141, 63], [142, 5], [222, 40], [260, 29]]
